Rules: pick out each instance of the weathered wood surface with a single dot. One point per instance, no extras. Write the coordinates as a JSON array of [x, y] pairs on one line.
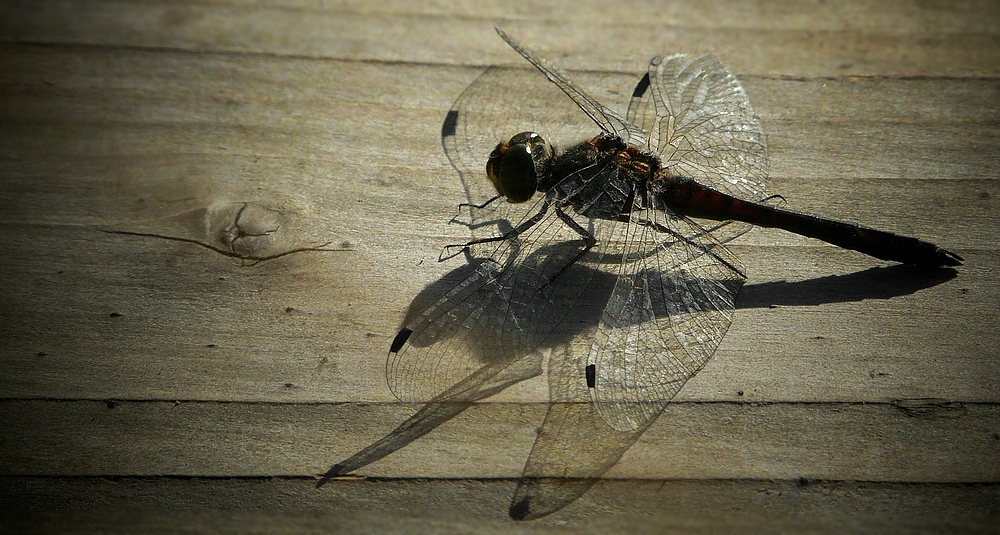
[[691, 440], [877, 384]]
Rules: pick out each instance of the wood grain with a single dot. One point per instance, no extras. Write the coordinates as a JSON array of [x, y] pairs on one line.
[[141, 372]]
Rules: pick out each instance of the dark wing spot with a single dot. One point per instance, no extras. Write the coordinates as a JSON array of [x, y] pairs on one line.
[[450, 123], [641, 87], [401, 337], [521, 509]]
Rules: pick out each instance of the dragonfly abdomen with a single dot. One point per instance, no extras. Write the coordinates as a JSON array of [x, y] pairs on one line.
[[877, 243], [690, 198]]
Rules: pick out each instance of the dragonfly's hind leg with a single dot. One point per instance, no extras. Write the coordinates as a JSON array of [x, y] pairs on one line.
[[705, 250], [767, 200], [588, 243]]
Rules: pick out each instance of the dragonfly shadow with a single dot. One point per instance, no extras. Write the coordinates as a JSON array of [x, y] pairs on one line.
[[475, 387], [883, 282], [574, 446]]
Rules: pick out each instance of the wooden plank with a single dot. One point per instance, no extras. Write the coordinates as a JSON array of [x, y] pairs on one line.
[[839, 40], [691, 440], [278, 505], [313, 132], [299, 109]]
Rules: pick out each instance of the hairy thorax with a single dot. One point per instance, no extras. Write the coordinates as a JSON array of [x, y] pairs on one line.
[[625, 171]]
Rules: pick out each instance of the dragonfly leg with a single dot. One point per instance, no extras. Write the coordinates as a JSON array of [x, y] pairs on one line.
[[660, 228], [479, 206], [588, 242], [473, 225], [520, 229]]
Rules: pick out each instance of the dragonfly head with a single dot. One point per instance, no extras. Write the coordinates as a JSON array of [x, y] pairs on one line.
[[514, 166]]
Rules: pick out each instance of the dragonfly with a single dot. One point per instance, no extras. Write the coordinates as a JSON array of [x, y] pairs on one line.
[[627, 217]]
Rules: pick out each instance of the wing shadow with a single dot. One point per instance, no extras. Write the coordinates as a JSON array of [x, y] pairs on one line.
[[598, 286], [574, 446]]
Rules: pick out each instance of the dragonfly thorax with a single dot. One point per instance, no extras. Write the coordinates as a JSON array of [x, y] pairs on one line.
[[515, 166]]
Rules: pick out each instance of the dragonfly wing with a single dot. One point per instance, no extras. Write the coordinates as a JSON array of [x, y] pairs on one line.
[[574, 448], [497, 313], [670, 308], [437, 355], [702, 125], [609, 121]]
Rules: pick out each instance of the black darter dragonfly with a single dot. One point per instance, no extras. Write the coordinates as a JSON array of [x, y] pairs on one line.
[[612, 227]]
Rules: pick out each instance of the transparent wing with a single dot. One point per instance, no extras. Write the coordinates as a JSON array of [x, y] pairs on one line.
[[669, 310], [498, 313], [690, 286], [606, 118], [702, 125], [491, 317]]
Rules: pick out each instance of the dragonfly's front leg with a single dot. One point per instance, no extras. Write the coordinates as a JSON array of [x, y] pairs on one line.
[[479, 206], [474, 221], [510, 235]]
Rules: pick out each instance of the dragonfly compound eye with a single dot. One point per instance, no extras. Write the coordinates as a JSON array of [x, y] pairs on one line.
[[514, 166], [517, 179]]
